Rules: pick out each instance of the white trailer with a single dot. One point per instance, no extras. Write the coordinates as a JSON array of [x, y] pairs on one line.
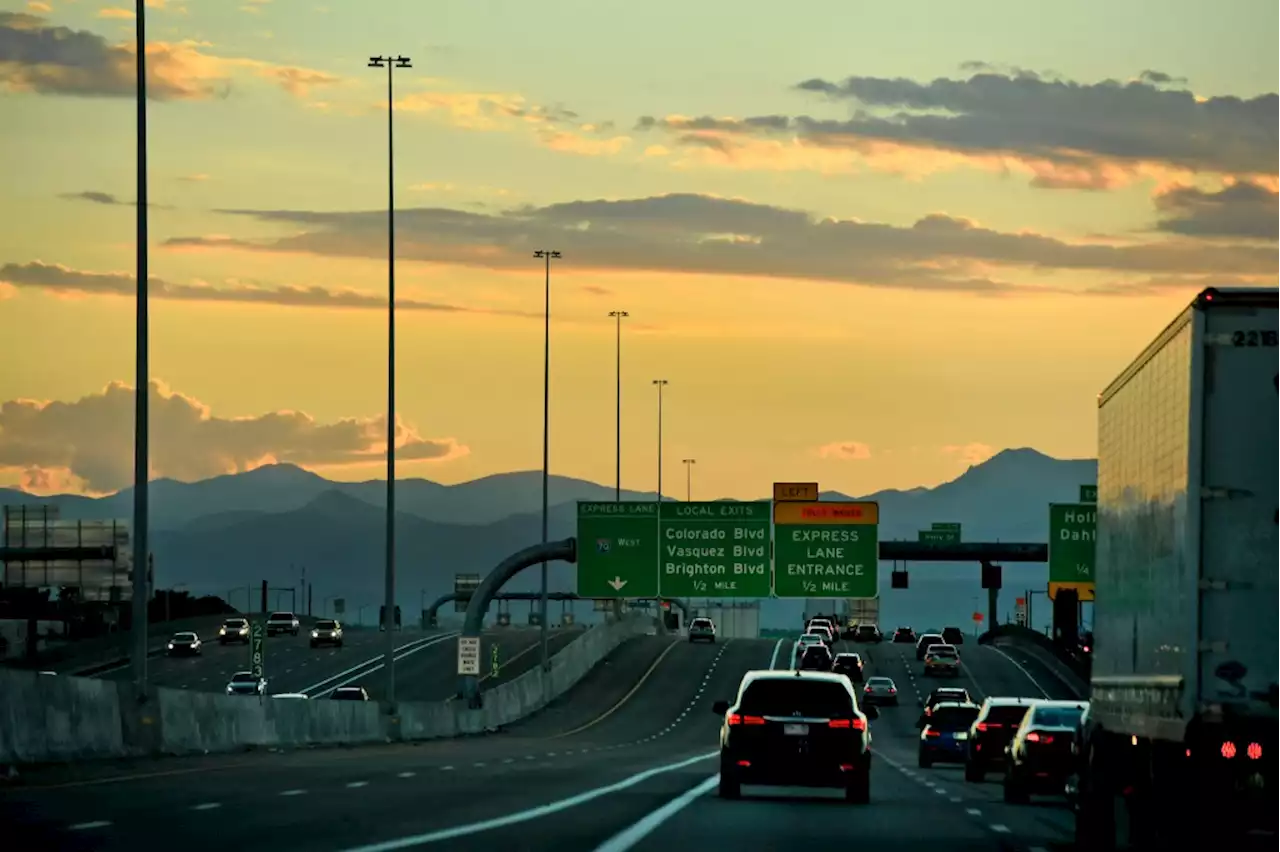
[[1179, 746]]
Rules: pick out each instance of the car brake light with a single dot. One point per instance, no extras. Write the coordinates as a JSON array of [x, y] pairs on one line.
[[1254, 751], [868, 689], [1035, 737], [1228, 750], [892, 690], [984, 726], [736, 719], [930, 732], [855, 724]]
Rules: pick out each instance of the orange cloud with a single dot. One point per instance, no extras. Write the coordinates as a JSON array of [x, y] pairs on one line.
[[37, 6], [972, 453], [845, 451], [112, 13]]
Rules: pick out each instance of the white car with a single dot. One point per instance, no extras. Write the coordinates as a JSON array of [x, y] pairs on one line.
[[283, 622], [184, 644], [234, 630], [296, 695]]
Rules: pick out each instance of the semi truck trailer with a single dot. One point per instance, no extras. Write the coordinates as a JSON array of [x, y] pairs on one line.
[[1178, 749]]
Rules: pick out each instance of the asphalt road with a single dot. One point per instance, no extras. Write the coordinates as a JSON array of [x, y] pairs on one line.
[[626, 762], [426, 663]]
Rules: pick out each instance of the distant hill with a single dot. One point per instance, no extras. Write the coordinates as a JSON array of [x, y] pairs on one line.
[[224, 534]]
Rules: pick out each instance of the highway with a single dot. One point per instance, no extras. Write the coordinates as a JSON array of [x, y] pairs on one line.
[[625, 761], [426, 663]]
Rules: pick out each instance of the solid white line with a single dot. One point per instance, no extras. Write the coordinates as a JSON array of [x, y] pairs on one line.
[[973, 812], [773, 661], [1000, 829], [651, 822], [532, 813], [207, 806], [293, 792], [411, 774], [1034, 682], [355, 784], [362, 672], [84, 826]]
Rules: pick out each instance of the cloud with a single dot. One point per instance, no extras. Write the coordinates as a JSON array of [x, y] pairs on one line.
[[38, 7], [554, 126], [50, 60], [112, 13], [972, 453], [1242, 209], [1063, 133], [92, 439], [845, 451], [723, 236], [105, 198], [62, 279], [194, 178]]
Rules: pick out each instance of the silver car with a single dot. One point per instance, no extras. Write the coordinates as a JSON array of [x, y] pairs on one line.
[[880, 690], [246, 683], [702, 630]]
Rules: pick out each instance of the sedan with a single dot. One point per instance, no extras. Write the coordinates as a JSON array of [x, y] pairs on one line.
[[326, 632], [184, 645], [944, 736], [880, 690], [350, 693], [246, 683]]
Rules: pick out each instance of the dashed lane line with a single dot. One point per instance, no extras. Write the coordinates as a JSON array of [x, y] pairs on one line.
[[86, 826], [293, 792], [207, 806]]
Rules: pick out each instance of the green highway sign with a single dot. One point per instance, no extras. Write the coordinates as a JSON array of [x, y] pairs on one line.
[[937, 536], [714, 550], [826, 549], [1088, 494], [617, 550], [1072, 547], [949, 525]]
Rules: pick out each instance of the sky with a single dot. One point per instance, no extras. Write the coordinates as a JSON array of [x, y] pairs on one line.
[[865, 245]]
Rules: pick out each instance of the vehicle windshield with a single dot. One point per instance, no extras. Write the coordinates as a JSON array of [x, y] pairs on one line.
[[1007, 714], [850, 659], [234, 622], [243, 677], [281, 616], [184, 637], [948, 695], [952, 718], [810, 638], [943, 651], [326, 625], [930, 639], [784, 697], [702, 622], [880, 681], [1058, 717]]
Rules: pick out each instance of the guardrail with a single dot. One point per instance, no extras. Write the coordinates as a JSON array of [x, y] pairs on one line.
[[55, 718], [1077, 664]]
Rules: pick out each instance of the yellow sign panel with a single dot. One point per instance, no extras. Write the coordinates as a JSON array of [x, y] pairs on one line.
[[830, 512], [1084, 590], [791, 491]]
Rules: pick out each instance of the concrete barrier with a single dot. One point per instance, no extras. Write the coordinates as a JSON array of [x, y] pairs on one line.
[[46, 719]]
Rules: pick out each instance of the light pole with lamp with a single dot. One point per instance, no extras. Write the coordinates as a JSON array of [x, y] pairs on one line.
[[617, 489], [688, 479], [661, 383], [389, 614], [545, 255]]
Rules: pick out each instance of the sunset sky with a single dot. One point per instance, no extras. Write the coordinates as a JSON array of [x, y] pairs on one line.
[[867, 244]]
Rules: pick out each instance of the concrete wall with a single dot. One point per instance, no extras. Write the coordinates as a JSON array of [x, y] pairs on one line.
[[47, 718]]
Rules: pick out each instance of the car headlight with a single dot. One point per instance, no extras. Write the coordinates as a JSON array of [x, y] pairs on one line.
[[230, 690], [170, 646], [222, 631], [315, 634], [244, 631]]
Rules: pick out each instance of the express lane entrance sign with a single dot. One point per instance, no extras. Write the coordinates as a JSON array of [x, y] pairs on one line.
[[826, 549], [714, 550], [617, 550]]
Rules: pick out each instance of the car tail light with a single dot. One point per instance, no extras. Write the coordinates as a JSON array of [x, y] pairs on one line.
[[1228, 750], [846, 767], [930, 732], [986, 726], [855, 724], [1035, 737], [893, 690], [867, 690], [744, 763], [1254, 751], [737, 719]]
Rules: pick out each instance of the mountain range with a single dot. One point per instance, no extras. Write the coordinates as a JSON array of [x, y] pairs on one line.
[[276, 521]]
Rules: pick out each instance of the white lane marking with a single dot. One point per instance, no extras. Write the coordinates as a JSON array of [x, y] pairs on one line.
[[973, 812], [85, 826], [773, 661], [411, 774], [1000, 829], [293, 793], [416, 644], [652, 821], [507, 760], [940, 791], [1020, 668], [1037, 849], [478, 763], [955, 800], [207, 806], [355, 784], [533, 813]]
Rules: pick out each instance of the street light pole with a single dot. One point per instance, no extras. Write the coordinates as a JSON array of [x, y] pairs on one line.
[[661, 383], [389, 613], [688, 479], [546, 255], [142, 380], [617, 489]]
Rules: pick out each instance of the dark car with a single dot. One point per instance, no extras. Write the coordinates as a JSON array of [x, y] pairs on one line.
[[867, 633], [995, 727], [184, 645], [952, 636], [955, 694], [233, 630], [925, 640], [1040, 758], [795, 729], [326, 632], [349, 693], [849, 665], [816, 658], [904, 636], [702, 629], [943, 739]]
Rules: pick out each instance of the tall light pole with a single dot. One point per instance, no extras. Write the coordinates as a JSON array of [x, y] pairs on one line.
[[688, 479], [661, 383], [617, 489], [546, 255], [389, 613], [142, 380]]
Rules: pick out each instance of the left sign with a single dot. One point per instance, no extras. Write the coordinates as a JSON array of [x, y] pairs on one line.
[[468, 655], [617, 550]]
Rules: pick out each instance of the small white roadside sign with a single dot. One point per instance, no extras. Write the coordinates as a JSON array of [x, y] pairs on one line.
[[468, 655]]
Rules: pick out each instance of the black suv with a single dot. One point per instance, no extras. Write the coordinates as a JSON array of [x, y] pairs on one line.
[[816, 658], [849, 665], [1040, 757], [799, 729], [953, 636], [867, 633], [904, 636], [995, 727]]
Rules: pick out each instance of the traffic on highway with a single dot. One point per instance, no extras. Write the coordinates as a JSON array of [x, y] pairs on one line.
[[666, 742]]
